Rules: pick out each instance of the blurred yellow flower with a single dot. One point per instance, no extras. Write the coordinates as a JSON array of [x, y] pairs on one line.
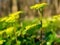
[[56, 16], [16, 13], [9, 30], [1, 32], [28, 27], [3, 19], [37, 6], [1, 42], [45, 23]]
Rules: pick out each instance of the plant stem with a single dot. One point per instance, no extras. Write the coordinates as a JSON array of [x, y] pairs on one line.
[[15, 34], [34, 41], [40, 14]]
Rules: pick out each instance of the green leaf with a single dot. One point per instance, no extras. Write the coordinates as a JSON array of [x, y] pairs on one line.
[[19, 42], [8, 43]]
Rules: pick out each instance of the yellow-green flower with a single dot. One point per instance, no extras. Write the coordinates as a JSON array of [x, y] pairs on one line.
[[1, 42], [12, 17], [56, 16], [45, 22], [3, 19], [9, 30], [1, 32], [16, 13], [38, 6], [28, 27]]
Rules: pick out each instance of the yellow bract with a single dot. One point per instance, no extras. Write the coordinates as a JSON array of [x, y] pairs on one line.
[[37, 6], [9, 30], [1, 41], [45, 22], [16, 13], [12, 17], [1, 32], [28, 27], [3, 19], [56, 16]]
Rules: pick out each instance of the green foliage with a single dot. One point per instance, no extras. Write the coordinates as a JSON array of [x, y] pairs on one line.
[[26, 32]]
